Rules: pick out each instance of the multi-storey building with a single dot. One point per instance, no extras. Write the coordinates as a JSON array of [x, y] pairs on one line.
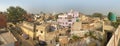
[[68, 19]]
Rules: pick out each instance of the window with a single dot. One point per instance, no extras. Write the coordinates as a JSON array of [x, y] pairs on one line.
[[66, 22], [69, 24], [69, 20], [51, 41], [36, 30], [65, 17], [41, 31]]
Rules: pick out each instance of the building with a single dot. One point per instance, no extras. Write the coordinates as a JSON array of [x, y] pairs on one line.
[[29, 17], [44, 32], [67, 19], [27, 28], [76, 26], [63, 40], [7, 38], [79, 33], [47, 32], [3, 21]]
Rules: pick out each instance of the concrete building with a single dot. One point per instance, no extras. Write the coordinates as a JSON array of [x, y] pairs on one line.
[[27, 28], [79, 33], [68, 19], [76, 26], [63, 40], [44, 32], [7, 38]]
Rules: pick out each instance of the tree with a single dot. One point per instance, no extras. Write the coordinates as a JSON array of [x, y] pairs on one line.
[[97, 15], [74, 37], [115, 24], [109, 14], [15, 14], [112, 17]]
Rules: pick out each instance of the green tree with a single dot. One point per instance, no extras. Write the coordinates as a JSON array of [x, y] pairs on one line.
[[114, 21], [97, 15], [75, 38], [15, 14], [112, 17], [109, 14], [115, 24]]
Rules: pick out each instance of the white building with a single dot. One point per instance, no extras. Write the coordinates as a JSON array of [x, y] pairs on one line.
[[68, 19]]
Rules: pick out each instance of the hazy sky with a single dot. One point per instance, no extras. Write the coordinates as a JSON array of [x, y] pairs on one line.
[[84, 6]]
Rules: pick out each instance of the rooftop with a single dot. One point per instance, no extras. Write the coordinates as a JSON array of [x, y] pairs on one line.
[[6, 37]]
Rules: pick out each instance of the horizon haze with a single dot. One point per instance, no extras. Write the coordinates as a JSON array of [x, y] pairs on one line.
[[57, 6]]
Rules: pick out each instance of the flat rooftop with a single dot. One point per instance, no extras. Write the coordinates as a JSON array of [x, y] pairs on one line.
[[6, 37]]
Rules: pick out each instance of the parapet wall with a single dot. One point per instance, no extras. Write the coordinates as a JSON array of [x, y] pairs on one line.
[[115, 38]]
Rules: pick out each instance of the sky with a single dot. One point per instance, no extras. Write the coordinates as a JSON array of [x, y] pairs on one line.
[[50, 6]]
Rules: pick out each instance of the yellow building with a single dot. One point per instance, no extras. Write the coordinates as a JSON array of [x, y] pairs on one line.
[[42, 32]]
